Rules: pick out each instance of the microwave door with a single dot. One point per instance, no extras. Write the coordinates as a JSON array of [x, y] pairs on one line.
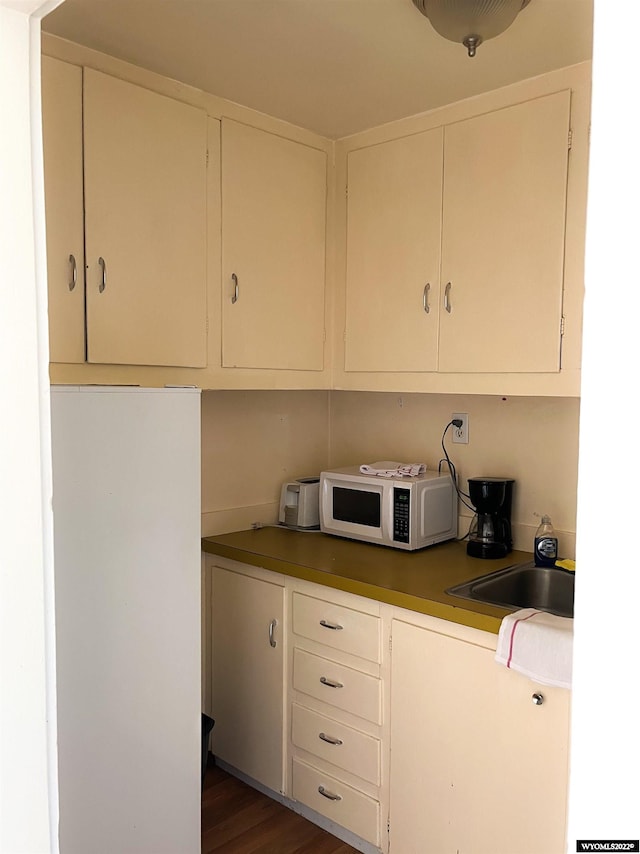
[[356, 506], [352, 510]]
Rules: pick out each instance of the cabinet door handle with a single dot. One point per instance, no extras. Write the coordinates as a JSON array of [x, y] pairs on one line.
[[336, 627], [425, 298], [103, 274], [329, 739], [447, 298], [330, 795], [272, 626], [236, 288], [537, 699], [330, 683], [73, 270]]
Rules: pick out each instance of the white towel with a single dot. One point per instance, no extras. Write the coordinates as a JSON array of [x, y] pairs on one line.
[[538, 644], [391, 469]]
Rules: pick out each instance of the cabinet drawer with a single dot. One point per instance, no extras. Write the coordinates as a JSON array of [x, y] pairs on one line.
[[336, 626], [337, 685], [341, 803], [337, 743]]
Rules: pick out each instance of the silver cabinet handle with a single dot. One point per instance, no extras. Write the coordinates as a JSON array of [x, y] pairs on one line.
[[73, 278], [336, 627], [425, 298], [236, 288], [537, 699], [329, 739], [272, 626], [103, 275], [447, 297], [330, 683], [330, 795]]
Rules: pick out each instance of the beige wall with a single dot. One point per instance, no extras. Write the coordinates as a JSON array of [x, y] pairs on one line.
[[531, 439], [252, 441]]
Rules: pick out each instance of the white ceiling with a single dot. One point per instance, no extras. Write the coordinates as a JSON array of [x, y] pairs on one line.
[[333, 66]]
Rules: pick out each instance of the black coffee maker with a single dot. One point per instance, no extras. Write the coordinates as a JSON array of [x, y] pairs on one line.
[[490, 534]]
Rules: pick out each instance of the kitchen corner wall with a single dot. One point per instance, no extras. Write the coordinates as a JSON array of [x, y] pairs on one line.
[[252, 441]]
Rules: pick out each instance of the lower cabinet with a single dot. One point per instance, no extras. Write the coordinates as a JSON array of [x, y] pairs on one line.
[[334, 684], [248, 674], [336, 743], [334, 799], [396, 731], [477, 765], [337, 708]]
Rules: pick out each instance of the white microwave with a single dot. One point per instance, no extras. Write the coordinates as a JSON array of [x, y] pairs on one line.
[[401, 512]]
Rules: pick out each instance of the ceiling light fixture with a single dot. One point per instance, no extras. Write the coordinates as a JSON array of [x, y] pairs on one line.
[[470, 22]]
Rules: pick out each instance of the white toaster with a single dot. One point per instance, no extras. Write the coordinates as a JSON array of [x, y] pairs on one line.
[[299, 506]]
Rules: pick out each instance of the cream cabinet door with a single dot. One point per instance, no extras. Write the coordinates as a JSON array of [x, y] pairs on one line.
[[505, 183], [248, 676], [274, 200], [62, 141], [145, 223], [476, 767], [393, 254]]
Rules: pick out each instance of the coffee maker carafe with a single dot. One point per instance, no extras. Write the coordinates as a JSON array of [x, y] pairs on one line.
[[490, 534]]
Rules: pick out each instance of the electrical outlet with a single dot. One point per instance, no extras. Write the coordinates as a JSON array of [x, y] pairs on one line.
[[461, 434]]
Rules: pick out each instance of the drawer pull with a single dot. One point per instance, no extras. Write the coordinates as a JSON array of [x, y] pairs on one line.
[[447, 298], [330, 683], [272, 628], [425, 298], [330, 795], [103, 274], [73, 270], [334, 626], [329, 739]]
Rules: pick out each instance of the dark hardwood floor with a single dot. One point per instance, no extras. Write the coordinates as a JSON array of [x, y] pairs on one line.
[[237, 819]]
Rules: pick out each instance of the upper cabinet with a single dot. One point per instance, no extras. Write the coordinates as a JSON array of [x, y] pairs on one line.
[[455, 244], [393, 254], [461, 238], [194, 241], [140, 298], [503, 226], [274, 203], [62, 127], [145, 220]]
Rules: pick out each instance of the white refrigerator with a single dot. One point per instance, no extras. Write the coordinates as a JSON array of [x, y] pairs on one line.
[[126, 502]]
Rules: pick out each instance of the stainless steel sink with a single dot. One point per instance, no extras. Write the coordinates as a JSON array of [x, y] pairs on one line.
[[523, 586]]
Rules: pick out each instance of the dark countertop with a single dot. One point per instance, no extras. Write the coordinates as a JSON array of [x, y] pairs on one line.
[[412, 580]]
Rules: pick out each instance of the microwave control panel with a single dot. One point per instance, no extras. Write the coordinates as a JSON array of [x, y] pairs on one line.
[[401, 508]]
